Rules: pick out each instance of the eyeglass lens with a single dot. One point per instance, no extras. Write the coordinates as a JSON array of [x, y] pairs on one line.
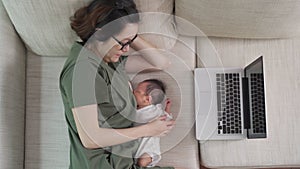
[[124, 44]]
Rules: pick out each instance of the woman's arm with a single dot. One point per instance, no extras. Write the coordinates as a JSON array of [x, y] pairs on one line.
[[92, 136], [155, 57]]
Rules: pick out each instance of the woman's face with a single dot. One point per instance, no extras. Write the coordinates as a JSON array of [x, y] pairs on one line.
[[123, 37]]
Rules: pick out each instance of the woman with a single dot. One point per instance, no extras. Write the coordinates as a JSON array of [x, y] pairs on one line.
[[98, 102]]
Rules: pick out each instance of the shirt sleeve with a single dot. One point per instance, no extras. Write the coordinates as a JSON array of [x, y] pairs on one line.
[[84, 86]]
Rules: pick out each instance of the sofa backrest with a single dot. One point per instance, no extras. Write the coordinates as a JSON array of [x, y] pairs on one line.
[[44, 26], [241, 18]]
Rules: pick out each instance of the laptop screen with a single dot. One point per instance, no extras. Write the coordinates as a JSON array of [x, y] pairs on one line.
[[257, 113]]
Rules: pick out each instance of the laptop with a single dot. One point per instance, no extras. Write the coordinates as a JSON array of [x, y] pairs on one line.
[[230, 102]]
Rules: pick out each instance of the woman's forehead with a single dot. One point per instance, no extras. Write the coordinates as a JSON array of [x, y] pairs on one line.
[[129, 31]]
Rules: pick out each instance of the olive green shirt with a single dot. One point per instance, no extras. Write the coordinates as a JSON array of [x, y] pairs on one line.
[[86, 80]]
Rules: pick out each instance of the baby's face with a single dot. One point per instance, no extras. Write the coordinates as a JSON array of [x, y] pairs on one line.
[[140, 95]]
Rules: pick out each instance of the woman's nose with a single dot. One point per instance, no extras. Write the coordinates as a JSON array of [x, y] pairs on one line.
[[126, 48]]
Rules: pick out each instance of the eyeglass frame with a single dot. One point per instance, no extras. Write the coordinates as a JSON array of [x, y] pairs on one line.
[[125, 44]]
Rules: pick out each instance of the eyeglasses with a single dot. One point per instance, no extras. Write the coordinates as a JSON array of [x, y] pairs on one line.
[[124, 44]]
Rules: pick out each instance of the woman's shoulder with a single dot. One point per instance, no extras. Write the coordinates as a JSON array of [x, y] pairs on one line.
[[77, 58], [71, 59]]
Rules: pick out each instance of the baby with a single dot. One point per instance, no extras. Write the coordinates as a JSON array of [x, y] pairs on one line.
[[150, 97]]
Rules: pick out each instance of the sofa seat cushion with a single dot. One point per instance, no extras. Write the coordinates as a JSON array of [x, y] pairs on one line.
[[12, 95], [47, 141], [281, 74], [46, 130], [179, 148]]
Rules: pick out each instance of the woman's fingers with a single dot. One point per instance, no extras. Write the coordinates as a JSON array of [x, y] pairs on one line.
[[166, 132], [161, 127], [160, 118], [171, 123], [163, 118]]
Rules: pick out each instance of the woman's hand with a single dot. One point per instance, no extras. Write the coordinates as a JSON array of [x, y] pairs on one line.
[[159, 127]]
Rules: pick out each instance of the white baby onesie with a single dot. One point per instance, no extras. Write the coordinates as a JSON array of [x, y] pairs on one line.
[[150, 145]]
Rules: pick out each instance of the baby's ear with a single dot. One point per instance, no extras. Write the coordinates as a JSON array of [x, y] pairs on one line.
[[168, 105]]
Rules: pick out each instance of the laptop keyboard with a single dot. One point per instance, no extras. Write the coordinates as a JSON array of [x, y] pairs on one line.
[[229, 103], [257, 103]]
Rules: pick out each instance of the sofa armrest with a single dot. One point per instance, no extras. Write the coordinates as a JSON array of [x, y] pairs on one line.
[[12, 95]]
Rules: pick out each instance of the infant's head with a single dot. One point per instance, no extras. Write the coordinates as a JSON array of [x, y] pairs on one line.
[[151, 91]]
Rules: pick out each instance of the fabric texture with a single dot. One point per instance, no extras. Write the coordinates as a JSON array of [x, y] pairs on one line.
[[180, 143], [240, 19], [117, 112], [149, 113], [52, 25], [51, 34], [163, 33], [150, 145], [47, 139], [282, 79], [12, 95], [47, 143], [44, 29]]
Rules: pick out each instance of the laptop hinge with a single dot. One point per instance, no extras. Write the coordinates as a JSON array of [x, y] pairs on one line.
[[246, 103]]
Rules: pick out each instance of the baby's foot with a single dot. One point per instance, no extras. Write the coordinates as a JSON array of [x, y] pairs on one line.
[[144, 160]]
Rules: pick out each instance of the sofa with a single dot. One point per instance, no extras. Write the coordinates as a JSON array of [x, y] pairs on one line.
[[35, 38]]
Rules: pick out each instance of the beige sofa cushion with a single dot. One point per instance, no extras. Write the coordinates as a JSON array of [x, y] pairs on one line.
[[47, 140], [12, 95], [180, 147], [281, 66], [44, 25], [46, 129], [157, 22], [241, 18]]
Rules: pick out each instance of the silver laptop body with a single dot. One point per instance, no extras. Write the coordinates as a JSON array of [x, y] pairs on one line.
[[230, 104]]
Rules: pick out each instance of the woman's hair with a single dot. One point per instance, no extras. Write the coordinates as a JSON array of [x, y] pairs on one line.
[[101, 12], [156, 89]]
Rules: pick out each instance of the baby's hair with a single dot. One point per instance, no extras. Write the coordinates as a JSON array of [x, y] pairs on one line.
[[156, 89]]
